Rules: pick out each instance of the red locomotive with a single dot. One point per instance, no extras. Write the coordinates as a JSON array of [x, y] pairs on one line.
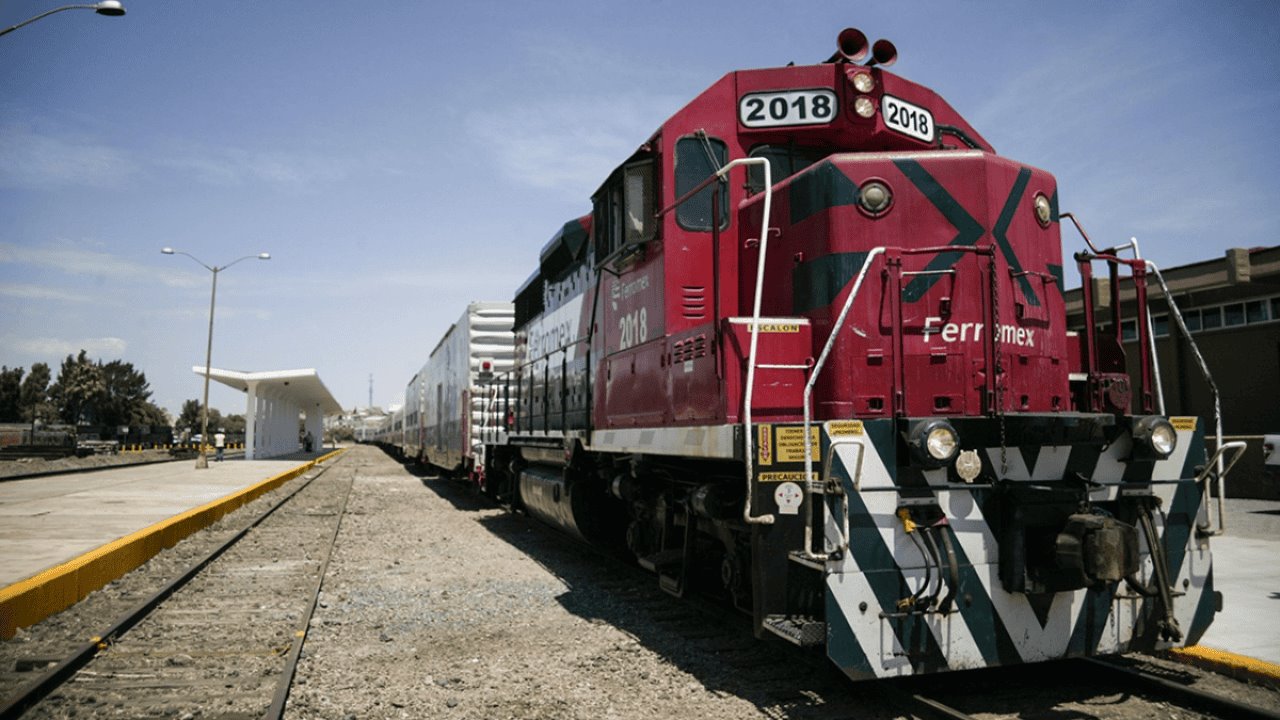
[[810, 350]]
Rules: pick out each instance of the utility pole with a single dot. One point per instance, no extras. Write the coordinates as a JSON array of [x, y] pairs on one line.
[[370, 390]]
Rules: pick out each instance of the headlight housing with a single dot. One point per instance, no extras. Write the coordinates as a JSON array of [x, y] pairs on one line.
[[1154, 438], [934, 442]]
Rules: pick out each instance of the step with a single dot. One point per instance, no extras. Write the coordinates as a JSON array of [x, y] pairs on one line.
[[797, 557], [798, 630], [662, 559]]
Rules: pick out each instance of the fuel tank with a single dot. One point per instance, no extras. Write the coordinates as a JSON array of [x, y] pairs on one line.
[[549, 498]]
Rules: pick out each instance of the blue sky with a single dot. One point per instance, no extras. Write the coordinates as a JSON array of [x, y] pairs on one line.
[[399, 159]]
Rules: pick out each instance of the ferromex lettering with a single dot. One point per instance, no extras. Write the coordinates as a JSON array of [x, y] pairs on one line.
[[972, 332]]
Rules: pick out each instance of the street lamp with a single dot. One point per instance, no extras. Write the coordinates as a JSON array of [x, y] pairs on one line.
[[110, 8], [203, 460]]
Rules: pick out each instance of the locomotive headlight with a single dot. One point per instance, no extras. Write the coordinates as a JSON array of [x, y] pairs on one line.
[[864, 106], [864, 83], [1153, 438], [934, 442]]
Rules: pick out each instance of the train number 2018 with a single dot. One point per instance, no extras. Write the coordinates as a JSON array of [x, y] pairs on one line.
[[908, 119], [793, 107], [633, 328]]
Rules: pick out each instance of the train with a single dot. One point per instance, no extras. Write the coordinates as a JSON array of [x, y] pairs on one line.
[[808, 352]]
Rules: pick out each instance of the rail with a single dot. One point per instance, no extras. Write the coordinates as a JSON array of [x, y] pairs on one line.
[[1215, 463], [748, 449], [1159, 382], [1213, 388], [60, 673]]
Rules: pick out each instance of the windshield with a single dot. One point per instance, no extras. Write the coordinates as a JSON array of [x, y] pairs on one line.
[[784, 161]]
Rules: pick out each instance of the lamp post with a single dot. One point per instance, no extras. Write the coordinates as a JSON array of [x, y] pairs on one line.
[[203, 460], [110, 8]]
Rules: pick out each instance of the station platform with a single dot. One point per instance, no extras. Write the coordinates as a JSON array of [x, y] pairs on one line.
[[61, 537], [1247, 573]]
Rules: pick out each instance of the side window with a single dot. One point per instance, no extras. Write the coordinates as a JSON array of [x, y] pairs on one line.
[[697, 158], [624, 208], [638, 197]]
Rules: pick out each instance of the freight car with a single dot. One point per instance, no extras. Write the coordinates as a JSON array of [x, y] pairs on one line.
[[809, 351], [444, 411]]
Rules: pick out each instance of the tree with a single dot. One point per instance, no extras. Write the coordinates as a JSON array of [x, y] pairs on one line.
[[35, 393], [149, 414], [234, 424], [79, 390], [10, 394], [126, 392], [189, 419]]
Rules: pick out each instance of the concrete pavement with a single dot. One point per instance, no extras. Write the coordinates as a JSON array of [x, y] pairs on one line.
[[63, 537], [1246, 570]]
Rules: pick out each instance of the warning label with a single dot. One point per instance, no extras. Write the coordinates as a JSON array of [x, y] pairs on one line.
[[796, 476], [765, 444], [790, 446], [844, 427], [1183, 423]]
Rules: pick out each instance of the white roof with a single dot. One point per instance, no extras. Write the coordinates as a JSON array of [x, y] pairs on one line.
[[302, 386]]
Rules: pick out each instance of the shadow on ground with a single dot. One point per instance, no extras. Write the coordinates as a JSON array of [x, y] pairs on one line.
[[721, 654]]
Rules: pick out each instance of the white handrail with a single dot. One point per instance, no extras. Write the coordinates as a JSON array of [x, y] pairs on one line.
[[748, 448], [1239, 446], [826, 350], [1204, 370]]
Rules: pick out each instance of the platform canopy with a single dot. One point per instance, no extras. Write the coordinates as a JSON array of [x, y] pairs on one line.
[[276, 400]]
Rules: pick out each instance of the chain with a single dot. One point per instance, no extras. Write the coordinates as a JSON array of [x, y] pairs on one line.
[[999, 369]]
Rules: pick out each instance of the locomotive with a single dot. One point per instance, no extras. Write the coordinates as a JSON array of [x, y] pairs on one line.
[[809, 351]]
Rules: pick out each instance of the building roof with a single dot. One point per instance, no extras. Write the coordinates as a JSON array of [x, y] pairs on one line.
[[1255, 270], [302, 386]]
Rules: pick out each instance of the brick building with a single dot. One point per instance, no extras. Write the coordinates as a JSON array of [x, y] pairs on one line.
[[1231, 306]]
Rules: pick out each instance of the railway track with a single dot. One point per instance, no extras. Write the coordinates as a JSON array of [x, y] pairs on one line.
[[1110, 688], [222, 639]]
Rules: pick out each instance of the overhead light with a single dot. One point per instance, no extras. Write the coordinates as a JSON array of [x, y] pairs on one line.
[[110, 8]]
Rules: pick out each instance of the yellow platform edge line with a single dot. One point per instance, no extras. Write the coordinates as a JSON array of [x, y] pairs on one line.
[[1227, 663], [51, 591]]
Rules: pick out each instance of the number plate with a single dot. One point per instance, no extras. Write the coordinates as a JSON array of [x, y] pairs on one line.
[[910, 120], [793, 107]]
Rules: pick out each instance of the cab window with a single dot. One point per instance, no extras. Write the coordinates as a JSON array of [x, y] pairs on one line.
[[784, 161], [697, 158]]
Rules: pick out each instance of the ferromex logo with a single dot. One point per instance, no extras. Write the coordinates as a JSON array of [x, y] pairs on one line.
[[972, 332]]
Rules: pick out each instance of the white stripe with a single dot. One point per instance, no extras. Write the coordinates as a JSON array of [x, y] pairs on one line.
[[708, 441]]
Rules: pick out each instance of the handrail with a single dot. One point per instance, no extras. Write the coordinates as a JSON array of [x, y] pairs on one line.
[[748, 448], [1237, 445], [1158, 382], [1204, 370], [839, 323], [843, 545], [826, 350]]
